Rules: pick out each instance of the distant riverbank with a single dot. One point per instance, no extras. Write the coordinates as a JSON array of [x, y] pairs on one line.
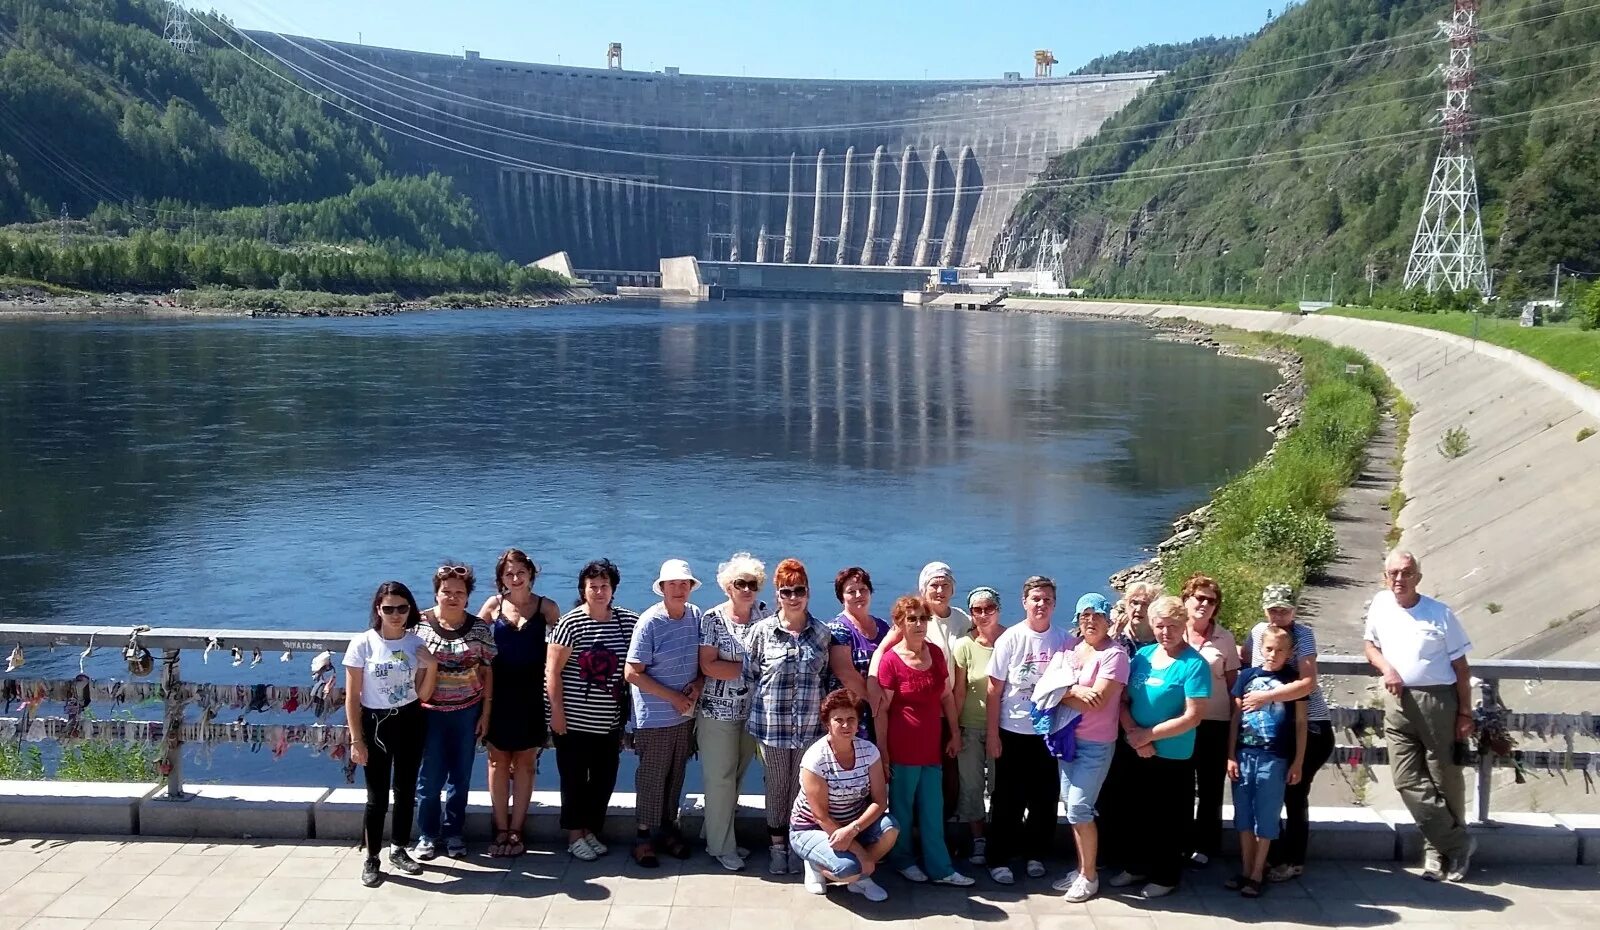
[[31, 301]]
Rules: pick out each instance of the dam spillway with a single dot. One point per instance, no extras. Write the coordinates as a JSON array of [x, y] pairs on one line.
[[621, 168]]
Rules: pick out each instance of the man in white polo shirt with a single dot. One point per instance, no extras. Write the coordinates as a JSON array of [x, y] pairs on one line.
[[1420, 647]]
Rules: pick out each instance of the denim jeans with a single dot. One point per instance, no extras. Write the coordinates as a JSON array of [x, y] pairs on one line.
[[446, 766], [813, 846], [1258, 794], [1082, 777], [916, 795]]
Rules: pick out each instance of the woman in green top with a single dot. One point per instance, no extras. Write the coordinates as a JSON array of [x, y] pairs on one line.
[[1168, 683], [971, 654]]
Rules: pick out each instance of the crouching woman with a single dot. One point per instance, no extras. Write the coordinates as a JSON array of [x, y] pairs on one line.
[[840, 824]]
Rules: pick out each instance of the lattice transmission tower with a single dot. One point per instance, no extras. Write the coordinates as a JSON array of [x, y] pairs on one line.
[[177, 31], [1448, 248]]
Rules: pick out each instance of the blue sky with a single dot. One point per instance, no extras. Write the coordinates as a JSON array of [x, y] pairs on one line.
[[776, 38]]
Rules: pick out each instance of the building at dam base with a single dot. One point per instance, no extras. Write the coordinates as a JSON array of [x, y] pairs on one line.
[[622, 168]]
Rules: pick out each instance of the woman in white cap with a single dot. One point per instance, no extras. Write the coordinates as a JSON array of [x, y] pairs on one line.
[[664, 672], [725, 744]]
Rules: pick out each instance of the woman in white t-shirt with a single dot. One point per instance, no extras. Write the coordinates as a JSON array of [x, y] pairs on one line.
[[388, 674]]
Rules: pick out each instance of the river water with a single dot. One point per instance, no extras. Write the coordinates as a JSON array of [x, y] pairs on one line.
[[270, 473]]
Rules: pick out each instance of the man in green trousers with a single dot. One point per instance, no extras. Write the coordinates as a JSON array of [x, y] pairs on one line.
[[1420, 647]]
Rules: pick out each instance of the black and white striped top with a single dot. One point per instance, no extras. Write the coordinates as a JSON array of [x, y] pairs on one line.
[[594, 695]]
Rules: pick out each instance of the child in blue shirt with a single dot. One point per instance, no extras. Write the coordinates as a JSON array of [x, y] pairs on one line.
[[1265, 753]]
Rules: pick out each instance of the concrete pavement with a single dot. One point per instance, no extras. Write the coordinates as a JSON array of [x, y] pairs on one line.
[[110, 884]]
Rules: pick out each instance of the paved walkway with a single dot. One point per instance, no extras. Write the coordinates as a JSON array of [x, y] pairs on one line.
[[72, 884]]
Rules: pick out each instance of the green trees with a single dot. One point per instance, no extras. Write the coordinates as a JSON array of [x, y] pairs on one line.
[[1309, 151], [158, 260]]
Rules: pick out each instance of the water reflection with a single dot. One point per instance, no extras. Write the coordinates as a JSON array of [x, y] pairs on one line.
[[243, 473]]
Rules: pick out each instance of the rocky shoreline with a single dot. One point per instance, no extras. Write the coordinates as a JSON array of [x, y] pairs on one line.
[[32, 303], [1287, 400]]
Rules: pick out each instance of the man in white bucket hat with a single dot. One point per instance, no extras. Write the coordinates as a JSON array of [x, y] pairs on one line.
[[664, 672]]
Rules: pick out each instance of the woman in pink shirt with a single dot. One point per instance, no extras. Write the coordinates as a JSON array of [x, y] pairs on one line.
[[1102, 671]]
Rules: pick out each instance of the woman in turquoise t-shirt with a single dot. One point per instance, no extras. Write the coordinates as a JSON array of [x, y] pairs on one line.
[[1168, 682]]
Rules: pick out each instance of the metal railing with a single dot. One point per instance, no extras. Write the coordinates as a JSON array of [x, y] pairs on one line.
[[177, 695]]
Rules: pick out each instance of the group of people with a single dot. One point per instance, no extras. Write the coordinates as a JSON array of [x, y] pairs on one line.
[[873, 735]]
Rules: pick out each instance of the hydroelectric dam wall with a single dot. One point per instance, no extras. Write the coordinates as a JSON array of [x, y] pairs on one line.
[[621, 168]]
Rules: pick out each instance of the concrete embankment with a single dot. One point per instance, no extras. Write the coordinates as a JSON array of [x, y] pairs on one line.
[[1509, 531]]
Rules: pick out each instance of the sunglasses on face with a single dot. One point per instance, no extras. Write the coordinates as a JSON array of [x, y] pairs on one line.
[[985, 610], [796, 591], [1204, 598], [746, 584], [392, 609]]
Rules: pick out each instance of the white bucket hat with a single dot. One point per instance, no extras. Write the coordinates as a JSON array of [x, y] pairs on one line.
[[675, 570]]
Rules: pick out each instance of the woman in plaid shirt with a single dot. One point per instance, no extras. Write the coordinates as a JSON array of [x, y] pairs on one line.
[[788, 655]]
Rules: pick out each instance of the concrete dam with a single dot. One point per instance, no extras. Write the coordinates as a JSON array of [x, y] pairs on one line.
[[621, 168]]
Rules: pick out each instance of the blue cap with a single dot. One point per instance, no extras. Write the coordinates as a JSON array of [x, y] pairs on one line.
[[1094, 602]]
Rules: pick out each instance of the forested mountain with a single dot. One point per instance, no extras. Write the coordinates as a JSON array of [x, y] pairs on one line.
[[1308, 153], [1163, 56], [98, 111]]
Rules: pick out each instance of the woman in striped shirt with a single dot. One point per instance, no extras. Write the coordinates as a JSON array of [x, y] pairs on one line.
[[588, 704], [840, 823]]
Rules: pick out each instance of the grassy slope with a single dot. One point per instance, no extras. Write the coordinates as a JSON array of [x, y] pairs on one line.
[[1566, 348]]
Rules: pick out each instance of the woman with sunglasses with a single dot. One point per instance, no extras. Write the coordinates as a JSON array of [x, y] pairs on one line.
[[786, 658], [583, 678], [388, 674], [1202, 598], [458, 713], [722, 734], [519, 620]]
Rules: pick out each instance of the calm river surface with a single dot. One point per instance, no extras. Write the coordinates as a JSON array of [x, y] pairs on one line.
[[270, 473]]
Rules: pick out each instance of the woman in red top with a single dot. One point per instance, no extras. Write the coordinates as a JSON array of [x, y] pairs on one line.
[[916, 687]]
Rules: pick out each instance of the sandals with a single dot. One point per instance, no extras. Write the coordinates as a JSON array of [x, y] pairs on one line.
[[1251, 888], [645, 855], [1236, 882], [514, 847], [502, 840]]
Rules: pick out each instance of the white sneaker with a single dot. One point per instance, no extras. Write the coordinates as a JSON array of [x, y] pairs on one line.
[[581, 850], [1460, 867], [869, 889], [1153, 890], [595, 844], [956, 879], [1001, 875], [796, 862], [1035, 868], [731, 863], [913, 873], [980, 851], [1082, 890], [814, 882], [1065, 884], [1125, 879], [1432, 866], [779, 855], [1199, 860]]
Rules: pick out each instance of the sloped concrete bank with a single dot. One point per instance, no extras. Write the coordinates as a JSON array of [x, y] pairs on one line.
[[1509, 531]]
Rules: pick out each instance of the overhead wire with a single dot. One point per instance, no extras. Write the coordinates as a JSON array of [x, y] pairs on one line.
[[445, 116], [1237, 74], [1318, 151]]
